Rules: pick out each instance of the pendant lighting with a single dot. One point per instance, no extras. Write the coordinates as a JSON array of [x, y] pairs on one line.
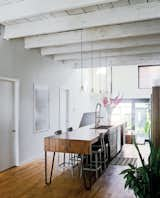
[[106, 84], [82, 86], [92, 70], [100, 90], [111, 80]]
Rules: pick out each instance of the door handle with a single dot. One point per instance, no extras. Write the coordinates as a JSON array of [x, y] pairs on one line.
[[13, 131]]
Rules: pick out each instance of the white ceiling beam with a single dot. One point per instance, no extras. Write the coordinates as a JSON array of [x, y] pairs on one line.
[[132, 13], [107, 53], [95, 34], [103, 45], [142, 59], [29, 8]]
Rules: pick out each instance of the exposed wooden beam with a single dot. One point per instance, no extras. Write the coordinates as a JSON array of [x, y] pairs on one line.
[[141, 59], [133, 13], [103, 45], [107, 53], [95, 34], [29, 8]]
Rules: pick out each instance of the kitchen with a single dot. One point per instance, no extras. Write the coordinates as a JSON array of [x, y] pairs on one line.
[[79, 84]]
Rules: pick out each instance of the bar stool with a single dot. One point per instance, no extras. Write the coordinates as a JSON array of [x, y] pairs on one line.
[[93, 162]]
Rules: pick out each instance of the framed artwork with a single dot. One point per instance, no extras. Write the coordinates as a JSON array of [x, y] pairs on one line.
[[148, 76], [41, 109]]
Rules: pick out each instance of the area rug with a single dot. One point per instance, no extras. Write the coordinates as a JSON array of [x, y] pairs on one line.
[[121, 161]]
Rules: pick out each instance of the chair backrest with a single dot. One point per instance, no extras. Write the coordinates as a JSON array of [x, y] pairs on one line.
[[69, 129], [58, 132], [102, 141]]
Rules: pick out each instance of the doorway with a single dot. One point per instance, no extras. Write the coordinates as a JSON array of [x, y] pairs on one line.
[[9, 148]]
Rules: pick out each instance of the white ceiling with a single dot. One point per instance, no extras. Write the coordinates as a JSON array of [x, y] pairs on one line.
[[127, 27]]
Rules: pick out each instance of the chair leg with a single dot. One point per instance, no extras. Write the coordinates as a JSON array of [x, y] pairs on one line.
[[87, 178], [96, 164], [64, 158], [100, 158]]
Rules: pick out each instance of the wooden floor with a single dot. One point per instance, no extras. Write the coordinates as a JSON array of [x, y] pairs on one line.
[[27, 181]]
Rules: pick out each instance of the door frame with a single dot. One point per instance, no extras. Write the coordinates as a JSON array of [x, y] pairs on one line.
[[16, 84]]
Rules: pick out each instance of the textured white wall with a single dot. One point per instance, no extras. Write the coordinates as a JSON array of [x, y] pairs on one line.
[[125, 81], [29, 67]]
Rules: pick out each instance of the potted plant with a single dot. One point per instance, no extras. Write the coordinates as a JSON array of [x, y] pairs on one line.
[[145, 180]]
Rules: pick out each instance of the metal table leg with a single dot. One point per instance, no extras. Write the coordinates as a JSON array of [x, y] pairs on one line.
[[51, 172]]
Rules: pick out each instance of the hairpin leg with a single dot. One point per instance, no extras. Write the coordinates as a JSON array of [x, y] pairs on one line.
[[51, 172]]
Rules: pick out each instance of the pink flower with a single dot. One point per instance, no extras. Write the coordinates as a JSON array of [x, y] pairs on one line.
[[105, 101], [111, 102]]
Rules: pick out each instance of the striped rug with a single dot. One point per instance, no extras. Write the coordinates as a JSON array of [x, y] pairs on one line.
[[121, 161]]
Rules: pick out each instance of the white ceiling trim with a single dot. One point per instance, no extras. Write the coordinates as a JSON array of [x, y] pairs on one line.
[[141, 59], [107, 53], [29, 8], [139, 12], [103, 45], [95, 34]]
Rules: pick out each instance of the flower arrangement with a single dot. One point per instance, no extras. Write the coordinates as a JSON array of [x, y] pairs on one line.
[[109, 104]]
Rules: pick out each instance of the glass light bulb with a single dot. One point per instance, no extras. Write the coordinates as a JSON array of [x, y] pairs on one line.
[[82, 88], [92, 90]]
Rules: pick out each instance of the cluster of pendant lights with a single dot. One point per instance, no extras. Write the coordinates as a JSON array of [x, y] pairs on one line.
[[92, 69]]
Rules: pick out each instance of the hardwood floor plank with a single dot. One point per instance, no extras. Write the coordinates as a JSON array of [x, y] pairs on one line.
[[27, 181]]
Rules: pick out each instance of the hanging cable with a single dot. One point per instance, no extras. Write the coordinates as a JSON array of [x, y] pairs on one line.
[[100, 91], [82, 86], [106, 84], [92, 70]]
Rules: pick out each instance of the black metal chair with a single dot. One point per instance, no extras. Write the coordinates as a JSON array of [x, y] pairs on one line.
[[96, 161]]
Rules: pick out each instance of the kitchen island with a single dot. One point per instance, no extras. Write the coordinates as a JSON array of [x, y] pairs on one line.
[[80, 141]]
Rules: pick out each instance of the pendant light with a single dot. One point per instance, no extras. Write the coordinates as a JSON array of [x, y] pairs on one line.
[[82, 86], [106, 86], [100, 90], [92, 70], [111, 85]]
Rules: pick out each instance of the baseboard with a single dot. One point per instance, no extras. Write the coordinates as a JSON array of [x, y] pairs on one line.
[[30, 160]]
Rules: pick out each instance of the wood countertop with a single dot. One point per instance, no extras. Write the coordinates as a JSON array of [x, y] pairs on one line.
[[76, 141]]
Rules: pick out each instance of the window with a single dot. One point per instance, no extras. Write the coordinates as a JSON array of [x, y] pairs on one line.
[[136, 112], [123, 112], [148, 76]]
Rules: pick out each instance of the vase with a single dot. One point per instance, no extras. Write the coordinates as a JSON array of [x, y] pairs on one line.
[[108, 116]]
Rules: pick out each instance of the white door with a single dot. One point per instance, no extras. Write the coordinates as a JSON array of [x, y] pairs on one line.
[[7, 134], [64, 109]]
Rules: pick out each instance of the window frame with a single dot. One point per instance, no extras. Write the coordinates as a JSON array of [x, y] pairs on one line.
[[140, 66], [133, 101]]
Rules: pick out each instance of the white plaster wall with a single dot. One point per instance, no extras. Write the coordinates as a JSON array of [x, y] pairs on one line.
[[125, 81], [29, 67]]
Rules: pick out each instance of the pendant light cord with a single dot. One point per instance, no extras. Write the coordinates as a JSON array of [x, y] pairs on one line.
[[92, 69], [81, 58], [106, 76], [100, 72]]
